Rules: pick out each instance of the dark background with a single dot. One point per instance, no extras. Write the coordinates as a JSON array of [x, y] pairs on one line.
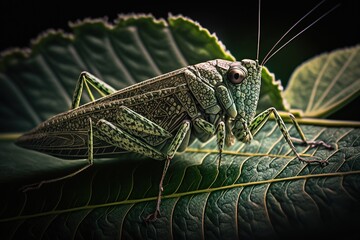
[[235, 26]]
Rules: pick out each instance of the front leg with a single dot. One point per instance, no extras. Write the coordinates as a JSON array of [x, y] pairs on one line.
[[303, 139], [182, 133], [119, 137], [209, 128], [262, 118], [126, 135]]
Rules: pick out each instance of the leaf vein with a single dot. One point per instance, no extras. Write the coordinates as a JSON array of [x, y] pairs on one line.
[[245, 154], [316, 84], [203, 216], [342, 137], [335, 79], [80, 50], [306, 192], [171, 221], [90, 187], [175, 48], [79, 223], [247, 184], [331, 103], [119, 62], [121, 227], [266, 211], [25, 103], [54, 77], [145, 52], [236, 214]]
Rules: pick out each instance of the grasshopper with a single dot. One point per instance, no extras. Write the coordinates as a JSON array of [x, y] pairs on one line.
[[161, 116]]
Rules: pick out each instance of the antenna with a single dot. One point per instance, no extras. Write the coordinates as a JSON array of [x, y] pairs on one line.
[[258, 39], [268, 56]]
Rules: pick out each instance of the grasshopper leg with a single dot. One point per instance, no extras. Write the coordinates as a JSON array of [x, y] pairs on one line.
[[120, 136], [303, 138], [260, 120], [210, 129], [129, 133], [87, 79], [139, 125], [220, 139], [117, 136], [181, 134], [90, 163]]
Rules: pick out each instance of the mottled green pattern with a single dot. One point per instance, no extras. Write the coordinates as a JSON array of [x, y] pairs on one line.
[[116, 136], [220, 136], [107, 201], [246, 94], [242, 131], [139, 125], [226, 100], [204, 94], [205, 126], [146, 115], [178, 139], [188, 102]]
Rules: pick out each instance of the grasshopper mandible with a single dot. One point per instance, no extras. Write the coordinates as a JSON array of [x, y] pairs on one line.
[[161, 116]]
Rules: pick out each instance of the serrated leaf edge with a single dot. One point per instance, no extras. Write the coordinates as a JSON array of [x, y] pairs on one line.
[[122, 21]]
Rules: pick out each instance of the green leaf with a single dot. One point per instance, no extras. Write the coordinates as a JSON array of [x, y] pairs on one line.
[[325, 83], [259, 190], [271, 93]]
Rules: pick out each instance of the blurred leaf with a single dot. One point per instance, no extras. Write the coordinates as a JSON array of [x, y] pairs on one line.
[[325, 83], [271, 93]]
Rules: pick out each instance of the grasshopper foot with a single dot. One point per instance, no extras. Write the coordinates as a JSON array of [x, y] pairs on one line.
[[152, 217], [314, 159], [313, 144]]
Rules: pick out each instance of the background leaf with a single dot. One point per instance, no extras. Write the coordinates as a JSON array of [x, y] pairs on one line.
[[259, 190], [324, 84], [271, 93], [134, 49]]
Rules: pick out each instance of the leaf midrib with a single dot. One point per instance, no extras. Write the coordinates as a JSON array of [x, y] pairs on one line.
[[178, 195], [245, 154], [285, 115]]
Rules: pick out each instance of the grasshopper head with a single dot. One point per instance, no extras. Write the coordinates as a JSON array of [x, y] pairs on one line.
[[244, 80]]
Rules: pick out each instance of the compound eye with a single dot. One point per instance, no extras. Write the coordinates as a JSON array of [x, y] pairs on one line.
[[236, 75]]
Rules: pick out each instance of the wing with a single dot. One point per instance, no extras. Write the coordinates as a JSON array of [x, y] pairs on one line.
[[68, 145]]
